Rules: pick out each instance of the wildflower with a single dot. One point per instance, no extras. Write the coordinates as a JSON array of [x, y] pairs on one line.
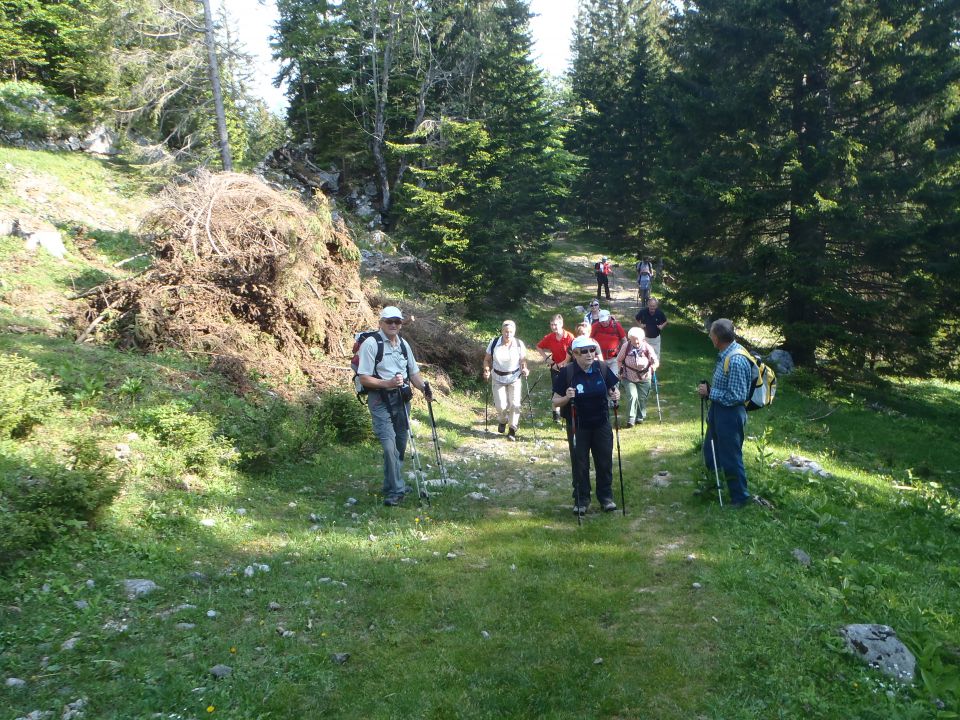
[[210, 708], [233, 650]]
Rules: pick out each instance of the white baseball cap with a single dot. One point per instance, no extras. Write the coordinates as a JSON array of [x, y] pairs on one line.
[[391, 311], [604, 315], [582, 341]]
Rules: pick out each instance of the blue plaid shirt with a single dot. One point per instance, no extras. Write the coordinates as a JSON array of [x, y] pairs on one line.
[[732, 388]]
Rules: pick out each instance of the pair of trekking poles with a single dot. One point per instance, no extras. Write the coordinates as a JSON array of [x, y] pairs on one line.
[[573, 446], [713, 449], [418, 472]]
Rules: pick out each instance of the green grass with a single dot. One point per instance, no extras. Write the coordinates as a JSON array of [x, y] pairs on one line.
[[494, 608]]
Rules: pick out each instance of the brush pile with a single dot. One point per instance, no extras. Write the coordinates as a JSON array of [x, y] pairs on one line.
[[242, 273]]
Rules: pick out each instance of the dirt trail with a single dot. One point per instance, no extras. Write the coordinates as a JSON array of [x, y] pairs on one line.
[[536, 469]]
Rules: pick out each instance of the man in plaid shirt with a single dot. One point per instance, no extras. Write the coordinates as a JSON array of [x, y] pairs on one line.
[[727, 416]]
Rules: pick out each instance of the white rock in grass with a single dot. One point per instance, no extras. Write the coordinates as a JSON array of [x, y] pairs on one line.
[[139, 587], [484, 634], [451, 556], [91, 583], [81, 604], [241, 511], [340, 658], [351, 501], [221, 671], [16, 683], [801, 557], [212, 613], [69, 643], [879, 647], [208, 522], [477, 496], [248, 571], [696, 586], [36, 715], [598, 661], [184, 626], [74, 710]]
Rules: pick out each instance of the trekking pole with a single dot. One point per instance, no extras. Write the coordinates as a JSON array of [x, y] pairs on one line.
[[716, 470], [616, 425], [528, 400], [417, 467], [573, 461], [486, 408], [656, 389], [436, 437], [703, 402]]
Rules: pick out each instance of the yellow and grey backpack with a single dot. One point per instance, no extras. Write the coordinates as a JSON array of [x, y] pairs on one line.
[[764, 388]]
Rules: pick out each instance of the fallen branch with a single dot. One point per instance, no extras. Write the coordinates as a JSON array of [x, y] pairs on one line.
[[96, 321]]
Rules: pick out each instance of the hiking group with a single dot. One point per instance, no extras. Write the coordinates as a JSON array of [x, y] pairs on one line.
[[587, 371]]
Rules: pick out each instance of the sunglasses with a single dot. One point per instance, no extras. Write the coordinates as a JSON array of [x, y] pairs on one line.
[[594, 304], [393, 321], [585, 351]]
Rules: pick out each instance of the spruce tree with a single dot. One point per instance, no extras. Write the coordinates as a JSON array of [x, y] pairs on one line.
[[803, 134]]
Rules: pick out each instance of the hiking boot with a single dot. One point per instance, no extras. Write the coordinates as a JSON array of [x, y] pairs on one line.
[[502, 428], [630, 423], [580, 509], [512, 435], [393, 500], [608, 505], [556, 416]]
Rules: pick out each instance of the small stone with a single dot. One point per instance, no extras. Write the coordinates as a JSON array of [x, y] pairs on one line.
[[340, 658], [598, 661], [513, 568], [74, 710], [274, 607], [208, 522], [696, 586], [81, 604], [691, 558], [372, 538], [351, 501], [139, 587], [13, 682], [241, 511], [221, 671], [801, 557], [184, 626], [313, 517], [291, 504], [195, 576], [45, 587], [69, 644], [91, 583], [212, 613], [484, 634], [248, 571], [451, 556], [132, 437]]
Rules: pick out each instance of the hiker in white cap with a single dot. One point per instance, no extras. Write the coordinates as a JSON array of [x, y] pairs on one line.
[[506, 363], [386, 369], [582, 392]]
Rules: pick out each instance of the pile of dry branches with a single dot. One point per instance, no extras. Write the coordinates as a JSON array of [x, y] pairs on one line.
[[243, 273]]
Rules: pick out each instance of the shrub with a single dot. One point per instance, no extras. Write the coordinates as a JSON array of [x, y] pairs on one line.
[[270, 431], [189, 439], [26, 397], [44, 497], [341, 418]]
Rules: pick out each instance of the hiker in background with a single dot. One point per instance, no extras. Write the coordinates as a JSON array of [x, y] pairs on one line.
[[388, 397], [645, 279], [637, 362], [506, 362], [727, 416], [609, 335], [653, 321], [582, 392], [603, 269], [555, 348], [583, 330], [593, 313]]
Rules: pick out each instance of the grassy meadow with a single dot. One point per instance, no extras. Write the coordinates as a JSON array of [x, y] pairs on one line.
[[260, 521]]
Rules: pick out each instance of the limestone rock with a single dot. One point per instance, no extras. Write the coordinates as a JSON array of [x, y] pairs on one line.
[[879, 647]]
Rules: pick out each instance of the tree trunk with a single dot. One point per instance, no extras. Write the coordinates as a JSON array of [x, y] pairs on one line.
[[224, 139]]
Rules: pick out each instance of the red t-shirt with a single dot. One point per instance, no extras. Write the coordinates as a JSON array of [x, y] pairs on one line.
[[608, 337], [557, 347]]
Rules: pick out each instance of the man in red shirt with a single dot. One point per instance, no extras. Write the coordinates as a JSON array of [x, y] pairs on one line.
[[555, 348], [610, 335]]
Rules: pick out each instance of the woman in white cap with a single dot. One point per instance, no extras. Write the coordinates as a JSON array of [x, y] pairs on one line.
[[582, 392], [386, 369], [637, 361], [506, 362]]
